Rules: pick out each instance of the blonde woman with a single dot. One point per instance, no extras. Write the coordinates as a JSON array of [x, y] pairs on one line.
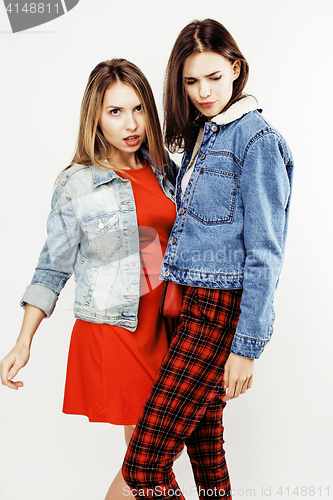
[[112, 213]]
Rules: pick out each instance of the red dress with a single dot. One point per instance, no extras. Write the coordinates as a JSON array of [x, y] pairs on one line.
[[110, 370]]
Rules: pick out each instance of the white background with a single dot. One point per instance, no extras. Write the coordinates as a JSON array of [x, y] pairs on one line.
[[280, 432]]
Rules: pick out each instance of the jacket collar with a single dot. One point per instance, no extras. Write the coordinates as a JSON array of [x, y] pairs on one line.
[[237, 110], [101, 176]]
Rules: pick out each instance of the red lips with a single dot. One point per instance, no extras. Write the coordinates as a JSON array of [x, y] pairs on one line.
[[207, 104], [132, 140]]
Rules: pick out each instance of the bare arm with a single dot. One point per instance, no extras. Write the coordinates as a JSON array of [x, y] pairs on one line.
[[19, 355], [238, 375]]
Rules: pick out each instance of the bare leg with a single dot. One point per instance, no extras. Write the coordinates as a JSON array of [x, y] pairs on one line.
[[119, 489]]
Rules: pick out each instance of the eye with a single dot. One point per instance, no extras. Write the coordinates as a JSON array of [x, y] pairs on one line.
[[114, 112], [190, 82], [139, 108], [216, 77]]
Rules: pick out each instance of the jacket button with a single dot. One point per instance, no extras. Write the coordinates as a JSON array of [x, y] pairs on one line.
[[166, 274], [214, 128], [182, 211], [174, 241], [203, 157]]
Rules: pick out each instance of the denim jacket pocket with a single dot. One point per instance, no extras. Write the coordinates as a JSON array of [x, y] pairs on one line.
[[214, 196], [102, 231]]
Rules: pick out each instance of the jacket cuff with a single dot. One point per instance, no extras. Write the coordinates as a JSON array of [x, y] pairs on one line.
[[40, 296], [247, 347]]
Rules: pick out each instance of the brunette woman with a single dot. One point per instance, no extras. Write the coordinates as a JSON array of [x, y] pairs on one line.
[[112, 213], [226, 248]]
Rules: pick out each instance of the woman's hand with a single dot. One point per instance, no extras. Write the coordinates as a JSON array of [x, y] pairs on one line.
[[12, 363], [238, 374], [19, 356]]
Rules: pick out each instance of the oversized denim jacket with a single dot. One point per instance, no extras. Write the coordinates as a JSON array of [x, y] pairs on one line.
[[231, 227], [92, 229]]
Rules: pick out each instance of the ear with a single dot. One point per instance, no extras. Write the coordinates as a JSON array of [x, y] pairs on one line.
[[236, 67]]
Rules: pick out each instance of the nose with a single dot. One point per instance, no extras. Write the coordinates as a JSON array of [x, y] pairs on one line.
[[130, 122], [204, 90]]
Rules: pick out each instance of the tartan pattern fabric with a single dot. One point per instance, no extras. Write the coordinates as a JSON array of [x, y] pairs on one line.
[[185, 404]]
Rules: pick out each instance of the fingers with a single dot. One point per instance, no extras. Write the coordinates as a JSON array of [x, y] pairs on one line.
[[10, 366], [226, 376], [249, 384], [12, 371], [8, 372], [238, 376], [11, 374], [13, 385], [233, 391], [229, 394], [237, 387]]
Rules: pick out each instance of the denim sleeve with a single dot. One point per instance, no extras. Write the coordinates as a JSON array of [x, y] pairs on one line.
[[265, 189], [56, 260]]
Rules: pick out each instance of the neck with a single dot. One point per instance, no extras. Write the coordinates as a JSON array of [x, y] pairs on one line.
[[125, 161]]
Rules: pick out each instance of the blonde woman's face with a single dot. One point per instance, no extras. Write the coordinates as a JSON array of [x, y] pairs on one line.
[[208, 79], [121, 119]]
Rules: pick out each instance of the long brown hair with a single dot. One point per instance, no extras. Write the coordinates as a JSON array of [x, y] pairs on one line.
[[92, 148], [179, 113]]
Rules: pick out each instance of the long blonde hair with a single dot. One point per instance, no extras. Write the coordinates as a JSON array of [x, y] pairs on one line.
[[92, 148]]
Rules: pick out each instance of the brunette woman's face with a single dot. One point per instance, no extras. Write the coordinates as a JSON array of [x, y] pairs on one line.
[[208, 79], [121, 118]]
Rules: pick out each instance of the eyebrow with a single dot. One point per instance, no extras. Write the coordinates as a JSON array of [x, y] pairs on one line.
[[121, 107], [206, 76]]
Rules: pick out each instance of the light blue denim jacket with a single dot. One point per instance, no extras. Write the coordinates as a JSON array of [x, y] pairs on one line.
[[92, 230], [231, 226]]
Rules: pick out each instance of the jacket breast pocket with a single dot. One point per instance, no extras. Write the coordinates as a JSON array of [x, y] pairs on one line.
[[102, 231], [214, 196]]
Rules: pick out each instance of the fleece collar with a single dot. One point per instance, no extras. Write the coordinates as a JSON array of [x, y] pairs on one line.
[[237, 110]]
